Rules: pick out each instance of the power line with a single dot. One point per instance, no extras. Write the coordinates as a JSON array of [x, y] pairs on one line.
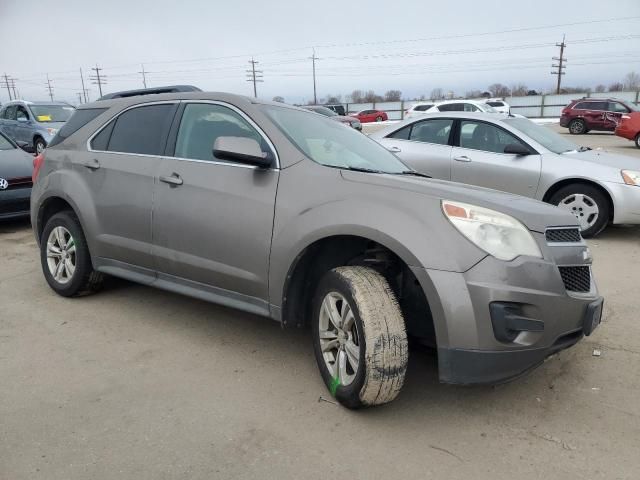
[[98, 79], [561, 63], [254, 76]]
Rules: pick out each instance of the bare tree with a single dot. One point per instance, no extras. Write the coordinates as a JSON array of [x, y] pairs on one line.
[[519, 90], [499, 90], [632, 81], [437, 94], [333, 99], [371, 97], [392, 96], [616, 87], [357, 96], [473, 94], [600, 88], [278, 98]]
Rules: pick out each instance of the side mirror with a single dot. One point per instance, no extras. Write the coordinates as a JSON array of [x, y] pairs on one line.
[[516, 149], [241, 149]]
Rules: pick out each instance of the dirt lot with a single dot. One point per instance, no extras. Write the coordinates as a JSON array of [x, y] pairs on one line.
[[136, 383]]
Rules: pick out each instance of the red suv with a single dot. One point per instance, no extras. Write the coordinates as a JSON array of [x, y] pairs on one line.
[[586, 114]]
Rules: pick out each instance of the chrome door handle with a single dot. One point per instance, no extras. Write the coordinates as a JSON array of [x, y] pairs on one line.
[[394, 149], [174, 180], [92, 164], [462, 158]]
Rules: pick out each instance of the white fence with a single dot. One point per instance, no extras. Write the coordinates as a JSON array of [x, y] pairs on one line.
[[535, 106]]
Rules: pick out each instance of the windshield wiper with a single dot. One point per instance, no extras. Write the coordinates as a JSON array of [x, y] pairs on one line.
[[584, 149], [414, 173], [361, 169]]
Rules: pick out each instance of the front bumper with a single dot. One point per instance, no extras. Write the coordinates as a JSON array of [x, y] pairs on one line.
[[626, 202], [14, 203], [471, 348]]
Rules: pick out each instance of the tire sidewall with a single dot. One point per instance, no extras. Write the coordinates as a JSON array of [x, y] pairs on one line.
[[35, 144], [596, 195], [637, 140], [348, 395], [83, 261]]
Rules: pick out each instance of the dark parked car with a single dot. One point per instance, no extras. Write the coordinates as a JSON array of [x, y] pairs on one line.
[[285, 213], [351, 121], [339, 109], [602, 114], [35, 123], [16, 167]]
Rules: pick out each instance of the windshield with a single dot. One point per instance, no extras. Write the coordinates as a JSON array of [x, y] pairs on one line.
[[5, 144], [632, 107], [331, 143], [323, 111], [544, 136], [51, 113]]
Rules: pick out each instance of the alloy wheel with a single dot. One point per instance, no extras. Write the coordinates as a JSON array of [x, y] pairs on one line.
[[61, 255], [339, 341]]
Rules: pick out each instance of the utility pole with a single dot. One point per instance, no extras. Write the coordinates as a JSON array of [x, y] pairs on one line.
[[313, 61], [7, 84], [12, 81], [144, 77], [50, 88], [98, 79], [254, 76], [561, 65], [84, 90], [79, 97]]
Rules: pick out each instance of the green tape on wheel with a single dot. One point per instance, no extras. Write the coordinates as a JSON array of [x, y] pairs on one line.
[[333, 386]]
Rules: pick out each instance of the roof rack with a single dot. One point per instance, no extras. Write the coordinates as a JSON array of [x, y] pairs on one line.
[[150, 91]]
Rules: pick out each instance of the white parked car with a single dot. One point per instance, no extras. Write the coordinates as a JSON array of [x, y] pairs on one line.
[[418, 109], [449, 106], [498, 104]]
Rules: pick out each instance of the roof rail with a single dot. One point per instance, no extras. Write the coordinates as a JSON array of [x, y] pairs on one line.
[[150, 91]]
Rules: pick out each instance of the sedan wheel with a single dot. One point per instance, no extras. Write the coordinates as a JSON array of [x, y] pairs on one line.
[[583, 207], [587, 203], [39, 146]]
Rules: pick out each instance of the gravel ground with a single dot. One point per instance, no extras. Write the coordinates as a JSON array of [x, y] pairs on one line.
[[137, 383]]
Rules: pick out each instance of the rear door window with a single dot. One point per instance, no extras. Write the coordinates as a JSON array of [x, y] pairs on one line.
[[142, 130], [402, 134], [10, 112], [432, 131], [599, 106], [422, 108]]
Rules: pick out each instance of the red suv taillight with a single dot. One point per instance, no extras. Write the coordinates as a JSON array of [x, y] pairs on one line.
[[37, 164]]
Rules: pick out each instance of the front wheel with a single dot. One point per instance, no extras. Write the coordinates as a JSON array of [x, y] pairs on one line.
[[39, 145], [359, 337], [637, 140], [577, 127], [65, 258], [378, 118], [587, 203]]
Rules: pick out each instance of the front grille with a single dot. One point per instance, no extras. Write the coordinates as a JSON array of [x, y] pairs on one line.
[[576, 279], [563, 235]]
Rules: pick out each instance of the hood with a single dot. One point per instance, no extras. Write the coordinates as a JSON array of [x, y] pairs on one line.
[[15, 163], [536, 215], [602, 157]]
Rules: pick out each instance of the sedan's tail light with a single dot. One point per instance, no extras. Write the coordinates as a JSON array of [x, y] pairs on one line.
[[37, 164]]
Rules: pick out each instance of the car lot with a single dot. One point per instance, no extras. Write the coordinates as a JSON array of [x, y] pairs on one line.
[[139, 383]]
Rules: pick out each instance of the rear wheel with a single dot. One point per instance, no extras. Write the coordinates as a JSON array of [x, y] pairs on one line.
[[64, 255], [359, 337], [577, 127], [587, 203], [378, 118]]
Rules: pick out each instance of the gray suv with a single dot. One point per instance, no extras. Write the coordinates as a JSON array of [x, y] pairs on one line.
[[287, 214], [33, 124]]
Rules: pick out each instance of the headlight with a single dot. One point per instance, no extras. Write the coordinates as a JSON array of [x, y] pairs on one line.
[[52, 131], [498, 234], [631, 178]]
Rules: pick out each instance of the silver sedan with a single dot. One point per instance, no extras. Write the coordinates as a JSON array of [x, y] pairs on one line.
[[515, 155]]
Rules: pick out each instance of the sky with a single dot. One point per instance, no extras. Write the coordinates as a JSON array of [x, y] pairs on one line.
[[411, 46]]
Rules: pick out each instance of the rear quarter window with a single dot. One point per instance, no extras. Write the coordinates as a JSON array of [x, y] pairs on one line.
[[78, 120]]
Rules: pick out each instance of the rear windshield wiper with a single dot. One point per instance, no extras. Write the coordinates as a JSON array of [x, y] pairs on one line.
[[414, 173]]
